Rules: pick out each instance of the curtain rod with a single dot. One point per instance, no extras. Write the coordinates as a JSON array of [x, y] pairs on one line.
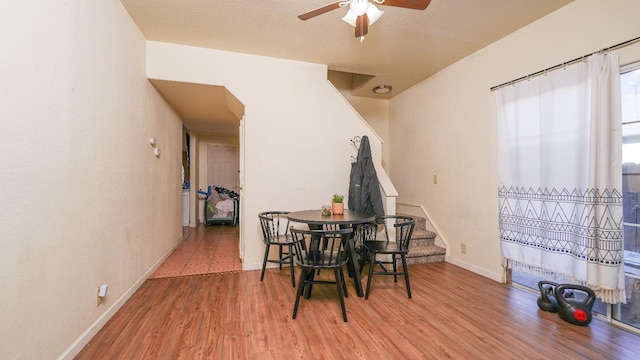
[[614, 47]]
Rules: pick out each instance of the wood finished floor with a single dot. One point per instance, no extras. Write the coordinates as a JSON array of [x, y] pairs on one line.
[[204, 250], [454, 314]]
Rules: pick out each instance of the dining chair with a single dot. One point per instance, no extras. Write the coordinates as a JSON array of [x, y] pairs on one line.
[[275, 231], [362, 233], [396, 243], [321, 250]]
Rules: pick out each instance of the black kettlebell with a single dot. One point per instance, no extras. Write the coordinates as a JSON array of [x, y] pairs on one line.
[[574, 310], [547, 300]]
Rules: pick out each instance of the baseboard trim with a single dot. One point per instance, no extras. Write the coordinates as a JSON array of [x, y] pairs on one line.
[[74, 349], [493, 276]]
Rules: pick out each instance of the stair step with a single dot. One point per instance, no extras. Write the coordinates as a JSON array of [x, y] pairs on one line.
[[421, 222], [423, 234], [422, 237], [426, 254], [422, 246]]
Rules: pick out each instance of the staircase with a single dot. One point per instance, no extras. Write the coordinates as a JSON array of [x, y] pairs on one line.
[[422, 248]]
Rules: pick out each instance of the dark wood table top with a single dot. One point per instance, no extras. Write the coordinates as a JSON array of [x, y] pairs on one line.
[[315, 217]]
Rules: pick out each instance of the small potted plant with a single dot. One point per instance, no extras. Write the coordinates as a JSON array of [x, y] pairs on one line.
[[337, 205]]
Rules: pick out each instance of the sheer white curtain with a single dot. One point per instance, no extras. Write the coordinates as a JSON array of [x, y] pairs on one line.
[[561, 176]]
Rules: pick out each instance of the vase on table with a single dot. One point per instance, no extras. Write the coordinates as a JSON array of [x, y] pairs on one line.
[[337, 208]]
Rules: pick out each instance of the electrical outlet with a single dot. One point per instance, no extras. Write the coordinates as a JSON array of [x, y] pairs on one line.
[[98, 298], [435, 179], [102, 292], [463, 248]]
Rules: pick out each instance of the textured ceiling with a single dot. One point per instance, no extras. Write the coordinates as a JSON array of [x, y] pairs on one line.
[[401, 49], [205, 108]]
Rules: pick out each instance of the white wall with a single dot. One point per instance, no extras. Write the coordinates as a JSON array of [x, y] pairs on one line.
[[83, 200], [298, 129], [453, 134], [374, 111]]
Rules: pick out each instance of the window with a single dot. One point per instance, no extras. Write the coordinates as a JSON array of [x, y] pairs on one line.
[[629, 313], [630, 94]]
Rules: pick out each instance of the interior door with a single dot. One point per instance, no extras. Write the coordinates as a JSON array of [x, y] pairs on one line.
[[222, 166], [241, 188]]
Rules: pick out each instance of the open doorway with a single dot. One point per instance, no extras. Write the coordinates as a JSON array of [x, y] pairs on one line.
[[211, 116], [219, 179], [222, 166]]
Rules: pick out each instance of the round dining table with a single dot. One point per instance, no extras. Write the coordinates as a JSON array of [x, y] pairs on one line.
[[349, 218]]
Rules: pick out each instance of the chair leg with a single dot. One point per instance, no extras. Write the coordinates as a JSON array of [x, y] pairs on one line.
[[293, 272], [372, 263], [301, 286], [406, 274], [361, 262], [308, 283], [340, 294], [264, 262], [280, 257], [344, 283], [394, 267]]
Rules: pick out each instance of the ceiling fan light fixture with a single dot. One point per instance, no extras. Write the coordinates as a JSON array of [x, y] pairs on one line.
[[382, 89], [372, 11], [374, 14], [363, 13], [350, 18], [359, 7]]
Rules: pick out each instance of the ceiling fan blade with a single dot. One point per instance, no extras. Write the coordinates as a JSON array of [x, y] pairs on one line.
[[319, 11], [362, 25], [409, 4]]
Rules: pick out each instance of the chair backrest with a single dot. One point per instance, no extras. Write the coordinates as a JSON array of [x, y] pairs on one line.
[[364, 232], [274, 224], [403, 226], [320, 248]]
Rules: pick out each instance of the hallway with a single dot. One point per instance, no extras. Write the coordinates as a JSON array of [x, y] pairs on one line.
[[205, 250]]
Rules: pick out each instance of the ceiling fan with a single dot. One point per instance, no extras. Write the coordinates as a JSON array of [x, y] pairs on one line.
[[363, 13]]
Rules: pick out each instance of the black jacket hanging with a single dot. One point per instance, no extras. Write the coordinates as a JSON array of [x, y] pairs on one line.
[[364, 189]]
